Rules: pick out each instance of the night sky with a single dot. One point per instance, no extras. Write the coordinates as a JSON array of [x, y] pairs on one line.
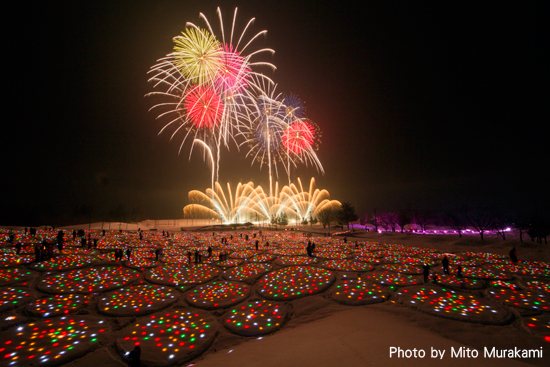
[[423, 105]]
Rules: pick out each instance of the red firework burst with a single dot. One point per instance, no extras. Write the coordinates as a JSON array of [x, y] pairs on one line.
[[204, 107], [234, 71], [299, 136]]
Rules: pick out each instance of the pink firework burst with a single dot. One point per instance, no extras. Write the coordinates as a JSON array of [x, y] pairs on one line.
[[299, 136], [234, 71], [204, 107]]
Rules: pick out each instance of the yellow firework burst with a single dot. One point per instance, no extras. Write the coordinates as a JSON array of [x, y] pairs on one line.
[[198, 55]]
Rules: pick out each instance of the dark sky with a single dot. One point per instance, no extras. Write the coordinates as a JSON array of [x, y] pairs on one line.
[[423, 105]]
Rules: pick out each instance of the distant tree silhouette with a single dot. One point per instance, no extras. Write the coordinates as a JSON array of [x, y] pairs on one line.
[[422, 219], [389, 220], [346, 214], [539, 229], [521, 223], [375, 220], [282, 219], [403, 218], [481, 219], [500, 223], [456, 220], [326, 217]]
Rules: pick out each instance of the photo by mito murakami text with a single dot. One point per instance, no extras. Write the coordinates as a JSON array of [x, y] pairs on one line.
[[464, 352]]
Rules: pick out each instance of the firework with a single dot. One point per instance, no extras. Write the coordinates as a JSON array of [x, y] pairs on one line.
[[252, 203], [197, 55], [203, 107], [263, 135], [295, 108], [276, 137], [205, 82], [299, 136], [233, 76], [214, 94]]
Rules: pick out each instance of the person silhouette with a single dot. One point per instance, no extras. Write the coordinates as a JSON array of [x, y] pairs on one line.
[[514, 255], [134, 357], [157, 253], [426, 272], [445, 263]]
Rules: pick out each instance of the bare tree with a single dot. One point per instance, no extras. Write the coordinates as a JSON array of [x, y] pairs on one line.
[[326, 217], [346, 214], [403, 218], [456, 220], [389, 220], [539, 229], [522, 225], [421, 218], [481, 219], [375, 220], [501, 223]]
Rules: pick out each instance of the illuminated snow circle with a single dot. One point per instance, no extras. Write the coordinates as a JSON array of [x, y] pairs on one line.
[[217, 294], [447, 303], [12, 297], [52, 341], [256, 317], [358, 292], [64, 262], [169, 338], [88, 280], [136, 300], [294, 282], [346, 265], [246, 273], [13, 275], [177, 275], [58, 304]]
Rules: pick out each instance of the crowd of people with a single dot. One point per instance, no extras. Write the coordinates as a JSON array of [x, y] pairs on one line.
[[47, 247]]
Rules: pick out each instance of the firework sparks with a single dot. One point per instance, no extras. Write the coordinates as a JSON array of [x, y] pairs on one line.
[[251, 203], [198, 55], [211, 91], [204, 107], [299, 136], [205, 82]]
